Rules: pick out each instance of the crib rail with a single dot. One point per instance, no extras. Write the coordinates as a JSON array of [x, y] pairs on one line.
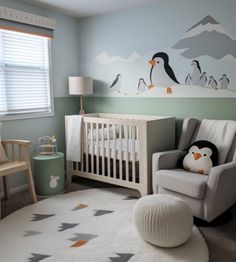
[[113, 151]]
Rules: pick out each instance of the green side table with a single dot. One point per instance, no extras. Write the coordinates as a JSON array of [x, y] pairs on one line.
[[49, 174]]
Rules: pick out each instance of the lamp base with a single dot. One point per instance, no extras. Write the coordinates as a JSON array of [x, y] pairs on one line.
[[81, 112]]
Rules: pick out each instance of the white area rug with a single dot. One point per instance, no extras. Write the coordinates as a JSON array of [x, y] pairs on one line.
[[88, 226]]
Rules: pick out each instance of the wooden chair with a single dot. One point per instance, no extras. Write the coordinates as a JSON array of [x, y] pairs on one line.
[[18, 154]]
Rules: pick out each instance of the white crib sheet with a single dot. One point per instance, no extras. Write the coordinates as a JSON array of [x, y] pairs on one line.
[[132, 148]]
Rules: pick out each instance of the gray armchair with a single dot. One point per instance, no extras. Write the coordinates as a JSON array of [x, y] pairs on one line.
[[208, 195]]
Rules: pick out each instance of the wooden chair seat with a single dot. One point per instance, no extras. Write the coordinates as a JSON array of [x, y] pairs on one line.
[[11, 167], [18, 154]]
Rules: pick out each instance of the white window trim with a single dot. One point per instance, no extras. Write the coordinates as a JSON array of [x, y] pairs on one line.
[[40, 114]]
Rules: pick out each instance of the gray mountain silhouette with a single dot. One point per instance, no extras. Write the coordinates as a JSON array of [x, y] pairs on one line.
[[204, 21], [213, 43]]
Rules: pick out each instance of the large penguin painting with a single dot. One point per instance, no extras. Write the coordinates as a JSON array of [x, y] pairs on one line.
[[161, 73]]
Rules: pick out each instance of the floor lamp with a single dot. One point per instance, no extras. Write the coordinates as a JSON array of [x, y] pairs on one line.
[[80, 85]]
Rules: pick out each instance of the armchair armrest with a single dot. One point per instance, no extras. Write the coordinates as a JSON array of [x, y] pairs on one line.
[[221, 190], [164, 160], [16, 141]]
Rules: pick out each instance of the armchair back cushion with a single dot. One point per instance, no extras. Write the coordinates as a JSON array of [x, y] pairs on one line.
[[219, 132]]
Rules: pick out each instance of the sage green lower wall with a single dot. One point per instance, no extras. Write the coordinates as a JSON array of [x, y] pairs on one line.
[[32, 129], [214, 108]]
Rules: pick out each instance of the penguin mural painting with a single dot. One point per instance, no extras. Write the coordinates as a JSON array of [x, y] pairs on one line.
[[116, 84], [161, 74], [203, 79], [196, 74], [201, 157], [142, 86], [212, 82], [224, 82], [188, 79]]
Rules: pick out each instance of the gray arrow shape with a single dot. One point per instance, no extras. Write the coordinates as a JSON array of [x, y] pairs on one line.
[[123, 257], [29, 233], [102, 212], [37, 257], [85, 237], [65, 226], [37, 217]]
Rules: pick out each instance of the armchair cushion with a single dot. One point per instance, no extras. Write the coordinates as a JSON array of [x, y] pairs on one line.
[[181, 181]]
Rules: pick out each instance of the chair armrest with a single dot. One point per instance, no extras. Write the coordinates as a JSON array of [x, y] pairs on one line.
[[164, 160], [16, 142], [221, 190]]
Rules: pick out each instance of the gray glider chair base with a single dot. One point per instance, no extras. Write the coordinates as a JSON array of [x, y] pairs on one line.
[[207, 195]]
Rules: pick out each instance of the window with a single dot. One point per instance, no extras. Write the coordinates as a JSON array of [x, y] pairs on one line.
[[24, 75]]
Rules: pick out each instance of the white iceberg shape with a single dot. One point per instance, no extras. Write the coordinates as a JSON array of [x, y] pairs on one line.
[[105, 59]]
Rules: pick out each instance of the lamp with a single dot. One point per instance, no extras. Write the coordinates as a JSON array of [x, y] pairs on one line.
[[80, 85]]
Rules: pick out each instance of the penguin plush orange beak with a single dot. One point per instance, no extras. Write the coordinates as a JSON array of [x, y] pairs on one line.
[[196, 156], [152, 62]]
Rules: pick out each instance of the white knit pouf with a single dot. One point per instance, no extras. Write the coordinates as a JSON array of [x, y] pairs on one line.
[[163, 220]]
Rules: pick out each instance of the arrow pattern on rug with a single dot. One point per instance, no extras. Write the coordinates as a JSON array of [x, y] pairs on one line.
[[102, 212], [81, 239], [37, 217], [29, 233], [123, 257], [65, 226], [80, 206], [131, 198], [37, 257]]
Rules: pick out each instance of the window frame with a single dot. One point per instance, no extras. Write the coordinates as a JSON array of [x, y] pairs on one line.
[[51, 97]]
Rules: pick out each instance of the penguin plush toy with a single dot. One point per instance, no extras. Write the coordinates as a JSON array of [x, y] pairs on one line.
[[201, 157]]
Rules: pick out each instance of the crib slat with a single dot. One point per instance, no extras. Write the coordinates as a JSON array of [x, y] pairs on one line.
[[97, 153], [120, 158], [134, 128], [127, 152], [114, 151], [109, 152], [86, 145], [92, 152], [103, 151]]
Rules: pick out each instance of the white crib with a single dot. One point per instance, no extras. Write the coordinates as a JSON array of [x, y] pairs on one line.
[[118, 148]]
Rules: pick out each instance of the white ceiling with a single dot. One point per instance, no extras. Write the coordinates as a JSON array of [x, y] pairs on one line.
[[81, 8]]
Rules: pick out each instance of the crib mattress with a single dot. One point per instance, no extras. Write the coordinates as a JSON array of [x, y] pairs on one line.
[[129, 149]]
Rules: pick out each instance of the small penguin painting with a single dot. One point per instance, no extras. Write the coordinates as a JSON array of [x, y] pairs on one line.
[[201, 157], [203, 79], [196, 74], [142, 86], [161, 73], [116, 84], [224, 82], [188, 79], [212, 82]]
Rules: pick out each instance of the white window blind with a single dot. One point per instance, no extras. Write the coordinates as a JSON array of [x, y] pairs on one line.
[[24, 74]]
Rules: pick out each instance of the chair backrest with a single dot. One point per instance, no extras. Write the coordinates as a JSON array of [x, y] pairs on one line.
[[222, 133]]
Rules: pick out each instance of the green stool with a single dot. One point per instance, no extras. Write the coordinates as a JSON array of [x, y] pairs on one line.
[[49, 174]]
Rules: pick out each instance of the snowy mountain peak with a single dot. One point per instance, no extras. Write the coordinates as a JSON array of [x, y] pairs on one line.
[[104, 58], [206, 20]]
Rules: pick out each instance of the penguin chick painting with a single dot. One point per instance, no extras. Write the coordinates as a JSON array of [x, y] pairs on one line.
[[161, 74], [116, 84], [203, 79], [142, 86], [224, 82], [188, 79], [202, 156], [212, 82], [196, 74]]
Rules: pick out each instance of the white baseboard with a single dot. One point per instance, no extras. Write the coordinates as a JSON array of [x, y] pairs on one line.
[[17, 189]]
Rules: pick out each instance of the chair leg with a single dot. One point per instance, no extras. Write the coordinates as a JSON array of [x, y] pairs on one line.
[[5, 187], [31, 185]]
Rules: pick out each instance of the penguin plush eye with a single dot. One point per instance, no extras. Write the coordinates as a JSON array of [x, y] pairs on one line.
[[204, 154]]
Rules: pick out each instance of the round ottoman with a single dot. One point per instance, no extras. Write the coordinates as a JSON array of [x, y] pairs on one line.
[[163, 220]]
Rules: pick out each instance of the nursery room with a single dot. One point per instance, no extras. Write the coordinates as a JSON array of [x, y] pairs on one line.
[[117, 131]]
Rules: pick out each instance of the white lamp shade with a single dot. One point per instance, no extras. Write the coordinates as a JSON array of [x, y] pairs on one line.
[[80, 85]]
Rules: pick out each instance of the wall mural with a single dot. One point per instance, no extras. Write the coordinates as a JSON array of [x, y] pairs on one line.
[[206, 49]]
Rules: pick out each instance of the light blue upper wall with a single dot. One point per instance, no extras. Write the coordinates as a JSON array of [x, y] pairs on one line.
[[65, 55]]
